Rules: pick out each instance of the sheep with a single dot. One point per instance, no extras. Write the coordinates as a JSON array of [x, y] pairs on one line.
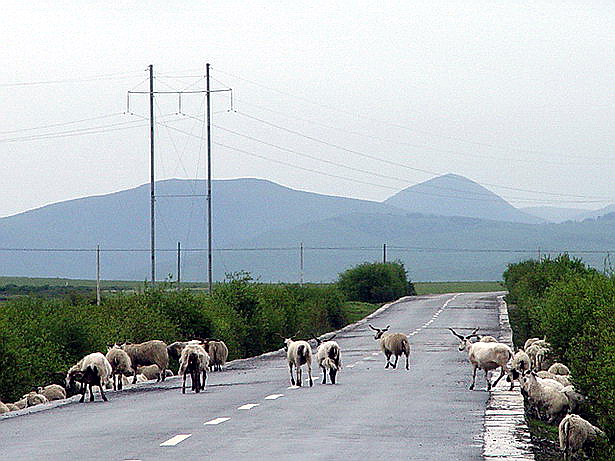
[[152, 352], [194, 360], [559, 369], [53, 392], [120, 365], [174, 350], [33, 398], [21, 404], [392, 343], [537, 355], [71, 384], [545, 397], [576, 433], [141, 378], [94, 370], [576, 400], [329, 358], [12, 406], [563, 380], [218, 353], [298, 353], [529, 342], [488, 339], [486, 356], [520, 364], [4, 408]]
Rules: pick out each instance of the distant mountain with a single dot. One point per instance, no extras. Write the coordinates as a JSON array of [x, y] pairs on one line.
[[596, 213], [554, 214], [454, 195]]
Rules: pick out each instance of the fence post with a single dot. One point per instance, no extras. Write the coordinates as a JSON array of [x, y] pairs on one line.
[[384, 253]]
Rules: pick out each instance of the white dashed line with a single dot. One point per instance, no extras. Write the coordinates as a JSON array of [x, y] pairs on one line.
[[175, 440], [215, 421], [248, 406], [350, 366], [274, 396], [291, 387], [375, 353]]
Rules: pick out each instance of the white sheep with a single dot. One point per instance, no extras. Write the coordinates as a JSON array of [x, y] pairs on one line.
[[575, 399], [520, 364], [21, 403], [53, 392], [563, 380], [559, 369], [545, 397], [328, 357], [298, 353], [3, 408], [576, 433], [120, 365], [392, 344], [537, 354], [12, 406], [152, 352], [93, 370], [194, 360], [33, 398], [488, 339], [218, 353], [486, 356]]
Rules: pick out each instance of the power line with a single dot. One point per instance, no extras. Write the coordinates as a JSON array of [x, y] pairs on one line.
[[53, 125], [72, 80]]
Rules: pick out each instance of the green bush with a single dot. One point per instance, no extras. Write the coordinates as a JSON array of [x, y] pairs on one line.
[[375, 282]]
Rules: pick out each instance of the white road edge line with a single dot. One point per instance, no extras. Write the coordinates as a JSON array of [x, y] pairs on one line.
[[274, 396], [248, 406], [216, 421], [175, 440]]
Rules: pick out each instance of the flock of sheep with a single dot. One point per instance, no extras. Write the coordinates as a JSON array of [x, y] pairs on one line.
[[546, 387]]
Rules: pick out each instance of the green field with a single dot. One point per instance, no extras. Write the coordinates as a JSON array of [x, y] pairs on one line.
[[428, 288]]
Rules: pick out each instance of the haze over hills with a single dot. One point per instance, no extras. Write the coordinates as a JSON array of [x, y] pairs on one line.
[[555, 214], [454, 195], [252, 214]]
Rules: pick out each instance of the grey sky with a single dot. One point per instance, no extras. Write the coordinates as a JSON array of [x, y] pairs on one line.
[[516, 93]]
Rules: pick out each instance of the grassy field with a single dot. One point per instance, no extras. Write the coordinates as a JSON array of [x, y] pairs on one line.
[[428, 288]]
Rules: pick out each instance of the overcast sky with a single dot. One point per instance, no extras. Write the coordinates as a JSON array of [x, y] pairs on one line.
[[515, 93]]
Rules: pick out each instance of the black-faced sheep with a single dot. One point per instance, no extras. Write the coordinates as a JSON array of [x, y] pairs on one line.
[[575, 433], [152, 352], [392, 344], [93, 370], [120, 365], [486, 356], [194, 360], [298, 353], [329, 357], [544, 396]]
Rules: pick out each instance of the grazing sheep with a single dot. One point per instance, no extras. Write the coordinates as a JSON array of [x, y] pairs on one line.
[[53, 392], [218, 353], [21, 404], [12, 406], [520, 364], [545, 397], [486, 356], [120, 365], [175, 349], [392, 344], [150, 371], [576, 400], [488, 339], [4, 408], [152, 352], [298, 353], [576, 433], [329, 358], [563, 380], [537, 355], [71, 385], [94, 370], [34, 398], [559, 369], [195, 361], [141, 378], [529, 342]]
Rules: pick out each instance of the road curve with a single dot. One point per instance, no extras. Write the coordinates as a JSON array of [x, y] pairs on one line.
[[426, 413]]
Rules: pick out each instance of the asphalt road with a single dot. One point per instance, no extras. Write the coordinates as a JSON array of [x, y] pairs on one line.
[[426, 413]]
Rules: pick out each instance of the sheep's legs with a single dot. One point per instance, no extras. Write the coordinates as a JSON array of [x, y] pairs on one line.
[[292, 378], [407, 366], [299, 379], [91, 393], [134, 379], [396, 360], [184, 383], [487, 380], [332, 372], [84, 388], [102, 394], [388, 356], [499, 377], [204, 378], [473, 378], [324, 375], [309, 367]]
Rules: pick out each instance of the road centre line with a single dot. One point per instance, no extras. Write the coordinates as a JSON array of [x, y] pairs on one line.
[[248, 406], [274, 396], [216, 421], [175, 440]]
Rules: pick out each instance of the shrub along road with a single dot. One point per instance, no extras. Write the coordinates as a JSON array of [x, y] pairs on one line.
[[425, 413]]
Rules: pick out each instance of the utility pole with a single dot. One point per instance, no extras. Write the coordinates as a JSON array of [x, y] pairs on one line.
[[151, 170], [209, 256], [301, 264], [179, 268], [384, 252], [539, 255], [98, 275]]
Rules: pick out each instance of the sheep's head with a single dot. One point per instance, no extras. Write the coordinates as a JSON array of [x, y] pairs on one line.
[[465, 340], [73, 376], [287, 342], [379, 331]]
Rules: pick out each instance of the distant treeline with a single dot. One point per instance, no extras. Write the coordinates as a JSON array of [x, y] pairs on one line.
[[572, 305]]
